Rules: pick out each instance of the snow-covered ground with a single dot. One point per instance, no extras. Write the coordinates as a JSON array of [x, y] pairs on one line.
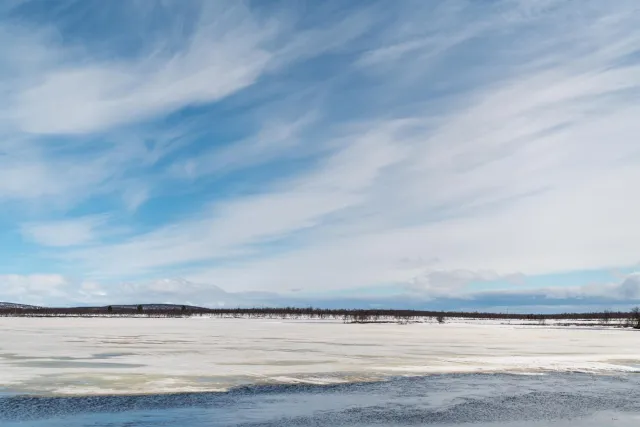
[[140, 355]]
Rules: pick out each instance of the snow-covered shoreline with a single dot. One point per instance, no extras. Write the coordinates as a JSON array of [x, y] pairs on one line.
[[545, 322]]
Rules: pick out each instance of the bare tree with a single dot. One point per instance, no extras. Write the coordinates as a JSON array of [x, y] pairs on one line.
[[635, 318]]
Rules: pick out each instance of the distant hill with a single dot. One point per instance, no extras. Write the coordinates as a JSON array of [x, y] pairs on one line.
[[153, 306], [12, 305]]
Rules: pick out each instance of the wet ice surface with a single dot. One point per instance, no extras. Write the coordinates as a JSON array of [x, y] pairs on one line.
[[88, 356], [563, 400]]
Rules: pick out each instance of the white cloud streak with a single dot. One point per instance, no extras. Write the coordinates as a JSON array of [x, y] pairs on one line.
[[32, 289], [68, 232]]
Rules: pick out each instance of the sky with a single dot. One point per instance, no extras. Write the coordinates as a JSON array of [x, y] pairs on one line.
[[457, 154]]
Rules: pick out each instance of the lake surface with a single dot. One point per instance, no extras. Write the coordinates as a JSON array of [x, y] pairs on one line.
[[192, 372], [87, 356], [568, 399]]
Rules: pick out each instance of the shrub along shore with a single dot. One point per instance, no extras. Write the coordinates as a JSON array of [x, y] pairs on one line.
[[610, 318]]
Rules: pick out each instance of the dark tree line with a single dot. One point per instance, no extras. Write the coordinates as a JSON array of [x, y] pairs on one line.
[[634, 318], [630, 319]]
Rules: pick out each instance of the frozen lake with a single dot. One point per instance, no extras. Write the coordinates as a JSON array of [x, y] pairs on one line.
[[87, 356], [140, 372]]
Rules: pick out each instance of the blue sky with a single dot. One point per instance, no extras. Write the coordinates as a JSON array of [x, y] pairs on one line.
[[362, 152]]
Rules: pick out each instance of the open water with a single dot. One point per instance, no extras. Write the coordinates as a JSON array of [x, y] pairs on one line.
[[555, 399]]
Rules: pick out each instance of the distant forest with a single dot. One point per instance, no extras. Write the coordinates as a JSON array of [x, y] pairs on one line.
[[628, 319]]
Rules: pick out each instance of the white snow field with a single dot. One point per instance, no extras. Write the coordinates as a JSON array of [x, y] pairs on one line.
[[141, 355]]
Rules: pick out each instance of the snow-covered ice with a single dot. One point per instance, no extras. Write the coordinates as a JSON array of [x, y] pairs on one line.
[[141, 355]]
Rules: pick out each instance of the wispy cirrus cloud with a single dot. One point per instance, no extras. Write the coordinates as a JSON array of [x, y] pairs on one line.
[[274, 140], [258, 148], [80, 92]]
